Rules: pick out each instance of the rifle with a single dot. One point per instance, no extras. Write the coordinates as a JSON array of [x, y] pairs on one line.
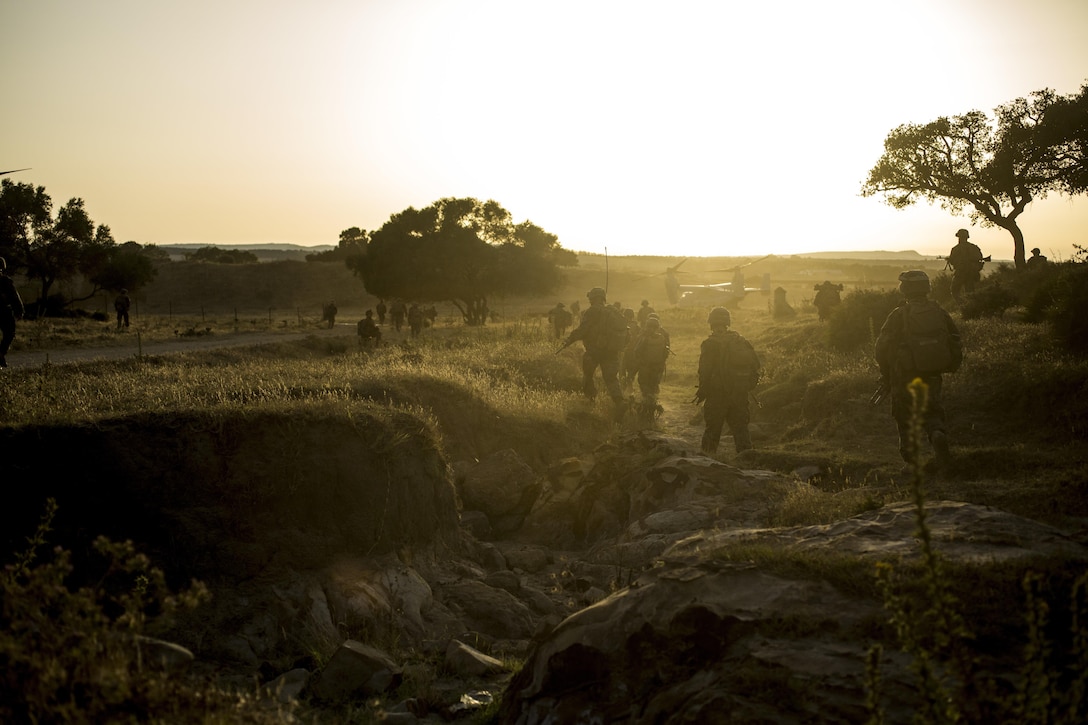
[[564, 346], [880, 394]]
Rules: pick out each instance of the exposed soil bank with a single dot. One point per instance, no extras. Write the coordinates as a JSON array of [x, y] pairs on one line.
[[208, 495]]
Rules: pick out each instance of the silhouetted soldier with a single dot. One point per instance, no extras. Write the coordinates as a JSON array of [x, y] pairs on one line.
[[918, 340], [649, 355], [121, 305], [603, 332], [827, 298], [628, 369], [11, 309], [560, 319], [1036, 259], [329, 313], [369, 334], [644, 311], [415, 320], [381, 309], [966, 261], [728, 369], [399, 312]]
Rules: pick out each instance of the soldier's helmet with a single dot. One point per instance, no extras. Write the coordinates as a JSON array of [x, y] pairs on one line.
[[597, 293], [652, 323], [645, 303], [3, 263], [1036, 250], [962, 234], [719, 317], [559, 304], [628, 313], [914, 283]]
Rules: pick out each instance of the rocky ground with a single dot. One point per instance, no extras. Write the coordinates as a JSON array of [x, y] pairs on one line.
[[589, 593]]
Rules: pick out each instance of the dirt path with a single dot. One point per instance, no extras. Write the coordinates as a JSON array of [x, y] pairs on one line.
[[58, 356]]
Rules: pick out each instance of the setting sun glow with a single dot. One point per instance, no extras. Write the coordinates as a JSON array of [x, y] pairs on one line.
[[689, 128]]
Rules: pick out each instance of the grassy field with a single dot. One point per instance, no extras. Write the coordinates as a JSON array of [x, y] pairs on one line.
[[1017, 410]]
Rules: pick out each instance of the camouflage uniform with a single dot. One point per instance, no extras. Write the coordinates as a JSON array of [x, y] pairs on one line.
[[898, 375], [600, 351], [11, 309], [728, 369]]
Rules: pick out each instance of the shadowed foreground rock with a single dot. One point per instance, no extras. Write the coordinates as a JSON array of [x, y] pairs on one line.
[[696, 639]]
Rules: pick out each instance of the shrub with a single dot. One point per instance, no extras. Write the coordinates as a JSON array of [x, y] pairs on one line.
[[989, 300], [69, 651], [859, 318], [1068, 314]]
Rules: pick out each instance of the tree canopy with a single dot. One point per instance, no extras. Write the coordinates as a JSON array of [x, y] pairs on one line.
[[463, 251], [48, 248], [215, 255], [352, 244], [995, 168]]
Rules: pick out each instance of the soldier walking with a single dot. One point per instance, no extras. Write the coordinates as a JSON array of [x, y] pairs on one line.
[[966, 261], [11, 309], [603, 332], [728, 369], [918, 340]]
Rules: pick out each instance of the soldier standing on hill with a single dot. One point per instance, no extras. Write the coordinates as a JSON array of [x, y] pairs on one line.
[[603, 332], [11, 309], [918, 340], [381, 310], [966, 261], [728, 369], [121, 305]]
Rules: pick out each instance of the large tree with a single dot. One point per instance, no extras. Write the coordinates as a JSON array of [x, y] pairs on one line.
[[993, 167], [50, 249], [463, 251], [128, 266], [352, 245]]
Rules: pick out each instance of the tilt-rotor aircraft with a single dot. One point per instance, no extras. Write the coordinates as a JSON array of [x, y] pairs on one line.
[[716, 293]]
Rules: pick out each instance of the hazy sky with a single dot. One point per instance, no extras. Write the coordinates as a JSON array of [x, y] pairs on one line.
[[678, 128]]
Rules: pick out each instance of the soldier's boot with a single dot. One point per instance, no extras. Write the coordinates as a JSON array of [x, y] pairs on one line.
[[709, 445], [742, 439], [619, 409]]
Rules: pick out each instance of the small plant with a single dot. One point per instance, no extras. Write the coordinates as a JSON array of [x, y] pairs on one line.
[[929, 626], [69, 642]]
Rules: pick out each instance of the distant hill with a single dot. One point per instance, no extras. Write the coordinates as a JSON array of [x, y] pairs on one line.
[[874, 255]]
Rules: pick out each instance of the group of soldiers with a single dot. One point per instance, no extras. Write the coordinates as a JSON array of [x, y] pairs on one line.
[[416, 316], [918, 341], [627, 346]]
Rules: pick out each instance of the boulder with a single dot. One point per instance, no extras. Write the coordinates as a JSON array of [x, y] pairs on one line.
[[501, 485], [356, 669], [465, 661], [494, 612]]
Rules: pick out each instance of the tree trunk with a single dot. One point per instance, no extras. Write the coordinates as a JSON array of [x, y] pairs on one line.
[[1018, 256]]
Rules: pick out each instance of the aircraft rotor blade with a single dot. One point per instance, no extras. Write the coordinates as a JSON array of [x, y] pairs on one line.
[[13, 171]]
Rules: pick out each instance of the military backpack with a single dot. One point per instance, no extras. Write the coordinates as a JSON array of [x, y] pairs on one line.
[[927, 342]]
